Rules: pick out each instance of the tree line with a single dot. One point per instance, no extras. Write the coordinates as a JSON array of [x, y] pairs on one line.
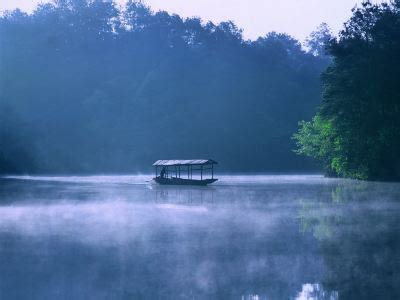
[[88, 86]]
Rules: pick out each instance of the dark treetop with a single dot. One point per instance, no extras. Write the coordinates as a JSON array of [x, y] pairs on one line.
[[356, 132]]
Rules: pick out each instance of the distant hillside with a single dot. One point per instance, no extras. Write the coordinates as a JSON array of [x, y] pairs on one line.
[[91, 88]]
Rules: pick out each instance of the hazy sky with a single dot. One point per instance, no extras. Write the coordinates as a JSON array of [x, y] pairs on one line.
[[256, 17]]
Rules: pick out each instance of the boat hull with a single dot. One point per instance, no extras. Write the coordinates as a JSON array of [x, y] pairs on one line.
[[181, 181]]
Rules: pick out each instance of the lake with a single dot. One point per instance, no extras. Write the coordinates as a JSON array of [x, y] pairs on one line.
[[245, 237]]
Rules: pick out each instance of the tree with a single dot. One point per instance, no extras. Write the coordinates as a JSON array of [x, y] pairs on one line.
[[319, 40], [361, 95]]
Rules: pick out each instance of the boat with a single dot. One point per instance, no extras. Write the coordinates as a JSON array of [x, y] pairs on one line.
[[180, 172]]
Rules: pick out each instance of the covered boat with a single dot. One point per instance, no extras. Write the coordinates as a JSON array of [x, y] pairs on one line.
[[180, 172]]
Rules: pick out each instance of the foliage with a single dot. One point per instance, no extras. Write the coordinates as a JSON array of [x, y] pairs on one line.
[[319, 39], [17, 148], [318, 139], [106, 89], [361, 98]]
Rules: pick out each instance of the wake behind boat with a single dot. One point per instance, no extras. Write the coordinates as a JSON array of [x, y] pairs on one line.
[[180, 172]]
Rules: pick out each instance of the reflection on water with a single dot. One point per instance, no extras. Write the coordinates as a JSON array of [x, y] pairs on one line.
[[308, 292], [316, 291], [246, 237]]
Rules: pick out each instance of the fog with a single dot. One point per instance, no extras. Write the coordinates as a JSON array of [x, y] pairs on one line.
[[256, 19], [271, 237]]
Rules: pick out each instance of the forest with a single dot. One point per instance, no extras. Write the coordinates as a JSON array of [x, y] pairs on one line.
[[89, 87]]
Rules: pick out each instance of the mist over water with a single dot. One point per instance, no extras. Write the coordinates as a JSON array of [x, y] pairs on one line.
[[245, 237]]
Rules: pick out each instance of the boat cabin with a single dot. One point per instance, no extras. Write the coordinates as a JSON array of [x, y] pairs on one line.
[[185, 172]]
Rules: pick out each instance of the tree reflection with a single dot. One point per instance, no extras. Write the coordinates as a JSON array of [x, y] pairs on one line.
[[106, 238], [359, 238]]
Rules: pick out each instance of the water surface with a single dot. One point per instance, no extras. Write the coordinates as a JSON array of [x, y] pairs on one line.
[[245, 237]]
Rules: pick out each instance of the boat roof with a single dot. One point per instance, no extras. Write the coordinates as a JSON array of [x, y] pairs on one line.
[[184, 162]]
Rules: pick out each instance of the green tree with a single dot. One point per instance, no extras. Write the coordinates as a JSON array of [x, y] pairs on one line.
[[361, 97]]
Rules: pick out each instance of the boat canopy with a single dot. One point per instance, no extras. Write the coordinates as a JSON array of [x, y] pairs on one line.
[[185, 162]]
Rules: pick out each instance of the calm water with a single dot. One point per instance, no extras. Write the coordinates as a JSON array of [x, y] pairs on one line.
[[246, 237]]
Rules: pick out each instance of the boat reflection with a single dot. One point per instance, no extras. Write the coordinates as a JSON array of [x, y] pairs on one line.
[[183, 194]]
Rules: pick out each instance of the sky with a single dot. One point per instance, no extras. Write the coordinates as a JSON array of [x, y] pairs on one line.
[[256, 17]]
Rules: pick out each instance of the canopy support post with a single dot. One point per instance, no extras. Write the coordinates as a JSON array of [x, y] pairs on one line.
[[201, 172]]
